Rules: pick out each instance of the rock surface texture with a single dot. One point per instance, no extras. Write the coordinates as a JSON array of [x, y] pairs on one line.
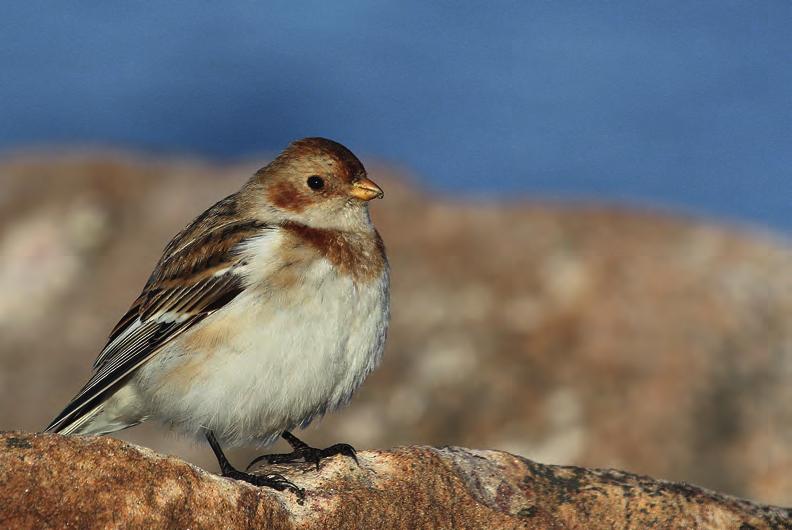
[[51, 481]]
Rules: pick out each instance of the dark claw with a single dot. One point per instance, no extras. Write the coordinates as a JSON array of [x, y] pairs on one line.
[[306, 454], [340, 449], [274, 481], [302, 452]]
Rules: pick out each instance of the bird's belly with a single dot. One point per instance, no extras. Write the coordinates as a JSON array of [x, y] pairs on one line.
[[267, 363]]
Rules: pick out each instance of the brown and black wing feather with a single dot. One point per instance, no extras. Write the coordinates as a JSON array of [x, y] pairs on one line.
[[196, 276]]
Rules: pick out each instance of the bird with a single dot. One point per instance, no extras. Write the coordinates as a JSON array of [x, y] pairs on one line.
[[267, 311]]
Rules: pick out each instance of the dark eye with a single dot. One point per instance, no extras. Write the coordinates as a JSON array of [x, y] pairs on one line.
[[315, 182]]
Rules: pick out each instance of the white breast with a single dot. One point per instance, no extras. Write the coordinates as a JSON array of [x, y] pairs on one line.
[[274, 358]]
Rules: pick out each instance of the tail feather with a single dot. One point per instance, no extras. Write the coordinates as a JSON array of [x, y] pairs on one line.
[[102, 415], [76, 414], [70, 424]]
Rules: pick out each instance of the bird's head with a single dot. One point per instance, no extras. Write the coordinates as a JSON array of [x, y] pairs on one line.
[[319, 183]]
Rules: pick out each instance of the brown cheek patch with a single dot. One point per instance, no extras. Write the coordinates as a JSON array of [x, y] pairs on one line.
[[361, 258], [285, 196]]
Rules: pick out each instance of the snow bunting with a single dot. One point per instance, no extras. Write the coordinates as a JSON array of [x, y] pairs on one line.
[[267, 311]]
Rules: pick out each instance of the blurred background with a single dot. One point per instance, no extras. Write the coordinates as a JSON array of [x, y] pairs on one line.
[[587, 210]]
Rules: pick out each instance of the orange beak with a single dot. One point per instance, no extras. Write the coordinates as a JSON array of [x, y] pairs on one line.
[[365, 190]]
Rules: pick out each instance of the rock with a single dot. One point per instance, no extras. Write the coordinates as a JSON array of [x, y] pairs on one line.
[[52, 481], [599, 336]]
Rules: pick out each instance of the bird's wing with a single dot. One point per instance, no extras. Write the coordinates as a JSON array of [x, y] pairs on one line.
[[197, 275]]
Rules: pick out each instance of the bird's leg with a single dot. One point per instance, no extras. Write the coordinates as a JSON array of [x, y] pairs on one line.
[[274, 481], [301, 451]]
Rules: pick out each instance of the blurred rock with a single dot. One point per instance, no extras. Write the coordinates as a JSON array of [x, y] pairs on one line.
[[42, 257], [58, 482], [571, 334]]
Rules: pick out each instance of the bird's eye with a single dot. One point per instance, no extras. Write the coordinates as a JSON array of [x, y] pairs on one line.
[[315, 182]]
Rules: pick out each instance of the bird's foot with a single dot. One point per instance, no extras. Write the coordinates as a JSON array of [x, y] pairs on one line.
[[302, 452], [274, 481]]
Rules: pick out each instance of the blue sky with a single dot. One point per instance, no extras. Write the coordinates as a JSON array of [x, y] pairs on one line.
[[684, 104]]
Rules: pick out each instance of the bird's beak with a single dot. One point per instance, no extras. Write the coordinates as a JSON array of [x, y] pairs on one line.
[[365, 190]]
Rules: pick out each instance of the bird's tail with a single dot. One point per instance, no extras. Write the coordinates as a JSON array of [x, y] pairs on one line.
[[66, 423], [102, 415]]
